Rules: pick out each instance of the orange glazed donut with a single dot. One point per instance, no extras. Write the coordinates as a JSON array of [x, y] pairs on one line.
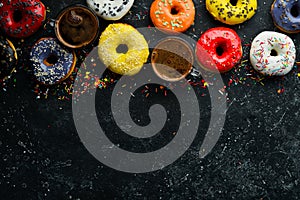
[[172, 15]]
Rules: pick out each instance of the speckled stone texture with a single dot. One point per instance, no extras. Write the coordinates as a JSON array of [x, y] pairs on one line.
[[257, 156]]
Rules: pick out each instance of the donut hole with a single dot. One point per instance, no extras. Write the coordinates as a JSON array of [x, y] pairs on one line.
[[295, 11], [17, 16], [233, 2], [122, 48], [174, 10], [274, 52], [220, 50], [51, 60]]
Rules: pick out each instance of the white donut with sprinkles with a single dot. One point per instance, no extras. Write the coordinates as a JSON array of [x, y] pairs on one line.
[[110, 9], [272, 53]]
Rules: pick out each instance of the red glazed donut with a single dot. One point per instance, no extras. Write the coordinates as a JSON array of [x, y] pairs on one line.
[[224, 47], [21, 18]]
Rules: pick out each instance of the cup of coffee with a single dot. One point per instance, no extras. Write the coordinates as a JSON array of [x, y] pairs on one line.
[[172, 59], [76, 26]]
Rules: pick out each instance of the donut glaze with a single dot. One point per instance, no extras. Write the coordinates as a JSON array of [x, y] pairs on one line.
[[224, 47], [286, 15], [172, 15], [130, 61], [272, 53], [51, 62], [21, 18], [110, 9], [227, 12], [8, 57]]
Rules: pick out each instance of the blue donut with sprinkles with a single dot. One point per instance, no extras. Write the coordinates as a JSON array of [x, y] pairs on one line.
[[286, 15], [51, 62]]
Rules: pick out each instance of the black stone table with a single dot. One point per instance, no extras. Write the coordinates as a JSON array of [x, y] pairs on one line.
[[256, 157]]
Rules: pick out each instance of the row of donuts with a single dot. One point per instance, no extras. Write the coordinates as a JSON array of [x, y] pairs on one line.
[[218, 50], [178, 15], [22, 18], [56, 62]]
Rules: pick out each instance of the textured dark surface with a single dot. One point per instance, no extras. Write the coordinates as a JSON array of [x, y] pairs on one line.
[[257, 156]]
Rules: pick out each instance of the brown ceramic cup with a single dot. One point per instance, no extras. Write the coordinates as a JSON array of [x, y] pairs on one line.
[[172, 59], [76, 26]]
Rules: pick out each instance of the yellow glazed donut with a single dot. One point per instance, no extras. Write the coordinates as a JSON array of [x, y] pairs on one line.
[[231, 11], [123, 49]]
